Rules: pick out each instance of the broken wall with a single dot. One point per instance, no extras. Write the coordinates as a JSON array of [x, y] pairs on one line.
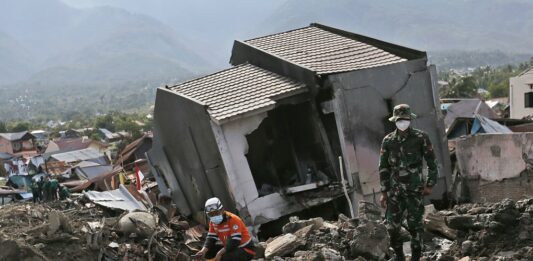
[[363, 102], [254, 209], [496, 165], [185, 153]]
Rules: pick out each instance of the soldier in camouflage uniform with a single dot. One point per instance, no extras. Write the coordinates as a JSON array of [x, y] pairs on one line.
[[402, 181]]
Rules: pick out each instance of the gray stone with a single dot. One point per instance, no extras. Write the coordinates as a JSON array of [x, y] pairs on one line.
[[467, 247], [283, 245], [295, 224], [371, 241], [461, 222], [139, 223]]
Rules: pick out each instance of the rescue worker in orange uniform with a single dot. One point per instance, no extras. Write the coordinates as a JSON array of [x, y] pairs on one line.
[[228, 238]]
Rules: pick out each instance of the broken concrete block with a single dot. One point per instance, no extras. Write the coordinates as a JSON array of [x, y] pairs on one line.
[[141, 223], [477, 211], [467, 247], [437, 223], [295, 224], [56, 221], [283, 245], [461, 222], [371, 241], [304, 232], [369, 211], [466, 258]]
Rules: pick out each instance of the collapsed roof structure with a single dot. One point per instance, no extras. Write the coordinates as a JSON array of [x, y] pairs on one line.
[[277, 121]]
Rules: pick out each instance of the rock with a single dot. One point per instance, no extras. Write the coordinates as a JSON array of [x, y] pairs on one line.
[[467, 247], [506, 212], [369, 211], [56, 221], [466, 258], [295, 224], [14, 250], [39, 246], [283, 245], [330, 254], [525, 219], [260, 250], [371, 241], [477, 211], [304, 232], [461, 222], [139, 223]]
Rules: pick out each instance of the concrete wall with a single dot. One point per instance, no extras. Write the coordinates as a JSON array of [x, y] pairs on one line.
[[494, 157], [518, 87], [362, 110], [186, 151]]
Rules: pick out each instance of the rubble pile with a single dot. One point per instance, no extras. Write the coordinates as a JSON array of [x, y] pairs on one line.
[[361, 238], [499, 231], [502, 230], [80, 230]]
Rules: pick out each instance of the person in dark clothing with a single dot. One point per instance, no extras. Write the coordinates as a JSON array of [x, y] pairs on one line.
[[36, 192], [63, 192], [228, 238]]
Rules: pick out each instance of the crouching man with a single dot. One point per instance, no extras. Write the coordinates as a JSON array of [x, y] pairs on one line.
[[228, 238]]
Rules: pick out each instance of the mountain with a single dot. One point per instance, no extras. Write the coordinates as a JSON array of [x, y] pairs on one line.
[[100, 45], [426, 25], [15, 61]]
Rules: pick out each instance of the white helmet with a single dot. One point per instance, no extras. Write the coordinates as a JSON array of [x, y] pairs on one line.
[[213, 204]]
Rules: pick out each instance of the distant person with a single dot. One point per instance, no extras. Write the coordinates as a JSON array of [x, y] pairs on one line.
[[53, 189], [36, 192], [63, 192], [40, 184], [402, 183], [46, 189], [228, 238]]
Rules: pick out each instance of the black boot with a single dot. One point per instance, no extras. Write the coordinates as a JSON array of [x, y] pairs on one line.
[[416, 254], [399, 254]]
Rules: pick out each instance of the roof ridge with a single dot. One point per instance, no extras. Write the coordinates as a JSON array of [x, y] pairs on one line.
[[292, 30], [211, 74]]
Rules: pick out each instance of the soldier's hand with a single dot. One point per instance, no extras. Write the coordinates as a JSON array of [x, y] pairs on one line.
[[427, 191], [383, 199]]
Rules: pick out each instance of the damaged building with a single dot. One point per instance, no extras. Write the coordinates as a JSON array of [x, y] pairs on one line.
[[266, 135]]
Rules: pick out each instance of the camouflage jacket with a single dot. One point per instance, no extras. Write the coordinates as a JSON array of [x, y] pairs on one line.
[[400, 163]]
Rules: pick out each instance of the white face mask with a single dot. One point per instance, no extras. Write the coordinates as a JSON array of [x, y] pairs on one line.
[[403, 124]]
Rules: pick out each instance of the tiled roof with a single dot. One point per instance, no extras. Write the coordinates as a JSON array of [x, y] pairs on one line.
[[323, 51], [238, 90]]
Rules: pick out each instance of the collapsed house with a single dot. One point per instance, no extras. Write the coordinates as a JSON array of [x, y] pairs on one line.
[[265, 135]]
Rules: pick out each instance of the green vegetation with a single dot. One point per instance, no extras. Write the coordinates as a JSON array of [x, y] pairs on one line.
[[494, 80], [135, 123]]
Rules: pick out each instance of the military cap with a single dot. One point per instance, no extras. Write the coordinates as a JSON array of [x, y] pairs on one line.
[[402, 111]]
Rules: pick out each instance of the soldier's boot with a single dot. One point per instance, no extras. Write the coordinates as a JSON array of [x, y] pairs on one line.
[[399, 254], [416, 254]]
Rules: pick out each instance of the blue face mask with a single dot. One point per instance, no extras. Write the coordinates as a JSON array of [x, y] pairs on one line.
[[216, 219]]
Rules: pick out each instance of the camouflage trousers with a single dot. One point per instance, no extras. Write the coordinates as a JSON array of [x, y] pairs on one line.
[[408, 206]]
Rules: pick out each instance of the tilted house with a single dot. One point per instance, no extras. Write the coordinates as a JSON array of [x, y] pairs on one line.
[[291, 104]]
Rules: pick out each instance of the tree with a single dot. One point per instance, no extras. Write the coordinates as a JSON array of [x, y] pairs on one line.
[[460, 88], [20, 126], [3, 127]]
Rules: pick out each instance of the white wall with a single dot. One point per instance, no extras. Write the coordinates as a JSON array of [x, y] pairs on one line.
[[518, 87]]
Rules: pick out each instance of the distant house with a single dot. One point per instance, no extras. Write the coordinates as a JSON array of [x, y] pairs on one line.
[[74, 157], [521, 94], [70, 134], [41, 137], [17, 142], [109, 136], [65, 145]]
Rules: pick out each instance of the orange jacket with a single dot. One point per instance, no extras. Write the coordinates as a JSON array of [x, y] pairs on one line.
[[232, 228]]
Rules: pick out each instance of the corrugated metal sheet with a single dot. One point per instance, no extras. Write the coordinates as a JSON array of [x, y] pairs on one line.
[[238, 90], [119, 199], [323, 51], [78, 155]]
